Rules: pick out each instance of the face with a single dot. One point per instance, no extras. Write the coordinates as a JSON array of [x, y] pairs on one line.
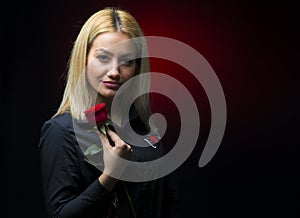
[[110, 63]]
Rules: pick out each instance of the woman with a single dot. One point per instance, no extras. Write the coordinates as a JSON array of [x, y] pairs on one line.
[[106, 54]]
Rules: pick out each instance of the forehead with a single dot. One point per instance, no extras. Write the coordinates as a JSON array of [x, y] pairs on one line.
[[116, 43]]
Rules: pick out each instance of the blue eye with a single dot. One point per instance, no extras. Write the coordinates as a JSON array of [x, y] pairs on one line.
[[103, 58]]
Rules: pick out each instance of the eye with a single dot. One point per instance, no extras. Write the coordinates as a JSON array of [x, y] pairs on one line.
[[103, 58], [127, 62]]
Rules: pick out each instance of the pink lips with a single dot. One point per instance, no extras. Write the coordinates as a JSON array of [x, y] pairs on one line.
[[112, 85]]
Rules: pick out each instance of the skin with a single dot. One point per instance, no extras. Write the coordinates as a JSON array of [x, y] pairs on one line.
[[109, 61], [109, 65]]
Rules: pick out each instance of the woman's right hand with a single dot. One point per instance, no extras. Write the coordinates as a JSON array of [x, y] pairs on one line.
[[113, 165]]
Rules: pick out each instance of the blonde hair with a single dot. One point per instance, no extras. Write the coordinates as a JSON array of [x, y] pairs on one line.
[[78, 95]]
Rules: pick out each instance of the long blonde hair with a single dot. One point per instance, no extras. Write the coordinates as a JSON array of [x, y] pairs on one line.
[[77, 94]]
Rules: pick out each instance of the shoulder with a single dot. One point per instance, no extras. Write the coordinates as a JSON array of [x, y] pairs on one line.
[[62, 121], [56, 130]]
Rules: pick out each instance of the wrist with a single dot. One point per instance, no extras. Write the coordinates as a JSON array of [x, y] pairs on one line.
[[107, 181]]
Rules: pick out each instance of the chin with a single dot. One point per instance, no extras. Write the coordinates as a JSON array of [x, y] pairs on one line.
[[108, 94]]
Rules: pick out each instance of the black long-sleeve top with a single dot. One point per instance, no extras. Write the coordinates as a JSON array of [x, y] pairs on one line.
[[70, 180]]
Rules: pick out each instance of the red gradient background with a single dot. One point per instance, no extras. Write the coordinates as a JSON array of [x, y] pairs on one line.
[[253, 49]]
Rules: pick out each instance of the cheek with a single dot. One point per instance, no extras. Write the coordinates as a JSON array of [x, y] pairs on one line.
[[94, 74], [129, 73], [128, 76], [91, 80], [95, 69], [89, 76]]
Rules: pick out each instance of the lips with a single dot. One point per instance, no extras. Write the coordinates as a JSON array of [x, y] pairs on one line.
[[112, 84]]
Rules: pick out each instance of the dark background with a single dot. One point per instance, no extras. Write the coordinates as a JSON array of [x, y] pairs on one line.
[[252, 46]]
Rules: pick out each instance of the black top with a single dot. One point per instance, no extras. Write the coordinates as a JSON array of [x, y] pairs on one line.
[[70, 180]]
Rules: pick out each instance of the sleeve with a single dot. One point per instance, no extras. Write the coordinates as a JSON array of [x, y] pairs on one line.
[[61, 176]]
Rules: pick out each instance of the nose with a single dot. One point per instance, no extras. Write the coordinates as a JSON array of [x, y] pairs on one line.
[[115, 72]]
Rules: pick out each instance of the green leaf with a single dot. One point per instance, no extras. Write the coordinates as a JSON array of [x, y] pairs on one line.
[[102, 129], [93, 130], [92, 149]]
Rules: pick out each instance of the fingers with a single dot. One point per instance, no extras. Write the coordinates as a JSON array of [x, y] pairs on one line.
[[113, 165], [103, 139], [118, 141], [115, 138]]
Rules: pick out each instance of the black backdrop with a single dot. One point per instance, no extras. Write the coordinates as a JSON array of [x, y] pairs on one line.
[[253, 48]]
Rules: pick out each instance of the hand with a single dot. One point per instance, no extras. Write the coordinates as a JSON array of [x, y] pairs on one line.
[[113, 166]]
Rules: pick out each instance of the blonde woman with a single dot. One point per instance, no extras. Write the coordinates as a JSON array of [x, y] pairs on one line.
[[103, 58]]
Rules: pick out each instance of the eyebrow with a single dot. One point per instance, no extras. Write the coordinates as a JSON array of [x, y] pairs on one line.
[[105, 51], [132, 55]]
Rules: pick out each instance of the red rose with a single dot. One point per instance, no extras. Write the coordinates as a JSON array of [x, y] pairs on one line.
[[96, 114]]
